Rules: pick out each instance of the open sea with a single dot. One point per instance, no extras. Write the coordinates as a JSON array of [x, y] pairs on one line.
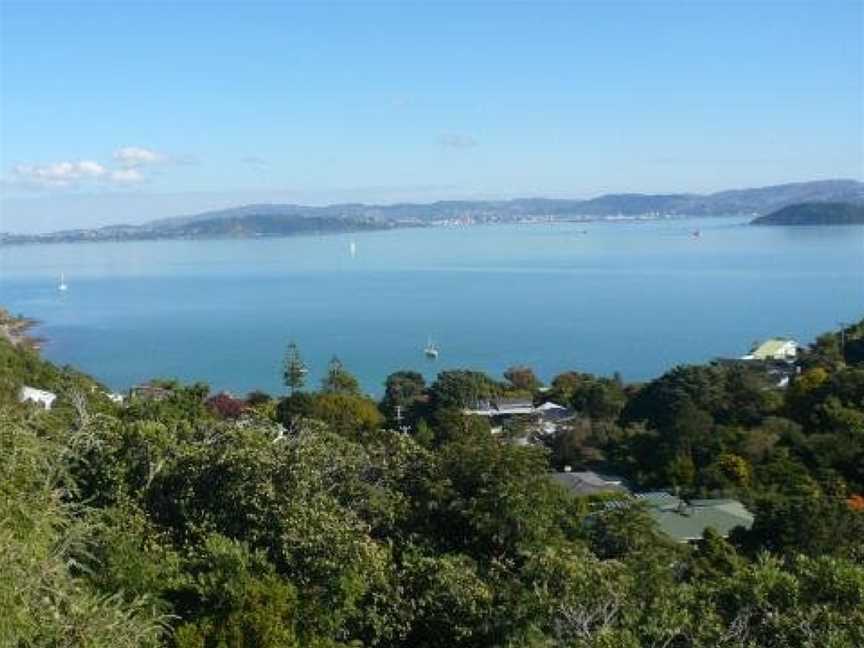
[[634, 297]]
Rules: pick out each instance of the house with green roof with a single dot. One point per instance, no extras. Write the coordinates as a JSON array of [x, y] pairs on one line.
[[686, 521]]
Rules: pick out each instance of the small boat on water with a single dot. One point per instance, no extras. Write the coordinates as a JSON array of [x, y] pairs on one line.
[[62, 287], [352, 249], [696, 233], [431, 351]]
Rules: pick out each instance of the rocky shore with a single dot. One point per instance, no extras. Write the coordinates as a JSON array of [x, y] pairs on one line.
[[16, 328]]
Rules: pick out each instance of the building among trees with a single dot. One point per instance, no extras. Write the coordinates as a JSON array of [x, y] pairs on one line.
[[774, 349], [44, 399], [687, 521], [582, 483]]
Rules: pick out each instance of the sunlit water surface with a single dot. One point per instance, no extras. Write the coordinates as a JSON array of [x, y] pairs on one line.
[[601, 297]]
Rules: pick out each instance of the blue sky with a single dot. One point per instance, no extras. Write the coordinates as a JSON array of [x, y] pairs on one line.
[[128, 111]]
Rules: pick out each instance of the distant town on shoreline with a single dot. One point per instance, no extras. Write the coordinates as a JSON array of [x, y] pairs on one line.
[[277, 220]]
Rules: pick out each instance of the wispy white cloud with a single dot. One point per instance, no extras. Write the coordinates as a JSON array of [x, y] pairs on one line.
[[126, 176], [57, 175], [457, 141], [130, 157], [131, 165]]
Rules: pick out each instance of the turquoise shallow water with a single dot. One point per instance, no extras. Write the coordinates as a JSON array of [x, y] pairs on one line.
[[632, 297]]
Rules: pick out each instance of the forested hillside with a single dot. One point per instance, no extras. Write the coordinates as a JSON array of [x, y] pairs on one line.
[[323, 518]]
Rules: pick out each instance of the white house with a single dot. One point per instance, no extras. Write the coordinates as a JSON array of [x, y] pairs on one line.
[[515, 407], [547, 415], [503, 407], [774, 349], [44, 399]]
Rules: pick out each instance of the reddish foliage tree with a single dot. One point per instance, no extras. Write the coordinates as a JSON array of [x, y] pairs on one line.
[[226, 406], [856, 502]]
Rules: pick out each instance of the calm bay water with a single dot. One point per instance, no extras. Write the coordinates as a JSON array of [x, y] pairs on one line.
[[633, 297]]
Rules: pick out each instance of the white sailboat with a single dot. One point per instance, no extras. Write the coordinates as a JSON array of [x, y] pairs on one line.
[[62, 287], [431, 350], [352, 249]]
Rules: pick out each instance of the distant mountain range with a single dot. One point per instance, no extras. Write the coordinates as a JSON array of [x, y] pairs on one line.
[[815, 214], [285, 220]]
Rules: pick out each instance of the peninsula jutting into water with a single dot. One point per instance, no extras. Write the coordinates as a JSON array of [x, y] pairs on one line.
[[815, 214]]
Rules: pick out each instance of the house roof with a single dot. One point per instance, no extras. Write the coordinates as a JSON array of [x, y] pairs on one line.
[[688, 522], [549, 406], [660, 499], [31, 393], [514, 402], [513, 406], [730, 506], [771, 347], [148, 391], [587, 483]]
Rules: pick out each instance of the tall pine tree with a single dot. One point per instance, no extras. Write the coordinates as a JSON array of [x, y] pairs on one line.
[[294, 369]]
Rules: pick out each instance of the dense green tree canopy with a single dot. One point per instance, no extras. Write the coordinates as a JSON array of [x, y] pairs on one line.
[[193, 520], [338, 380], [461, 388], [522, 378], [404, 398]]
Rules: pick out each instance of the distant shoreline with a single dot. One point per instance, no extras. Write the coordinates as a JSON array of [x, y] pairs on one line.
[[132, 236], [285, 219], [60, 238]]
